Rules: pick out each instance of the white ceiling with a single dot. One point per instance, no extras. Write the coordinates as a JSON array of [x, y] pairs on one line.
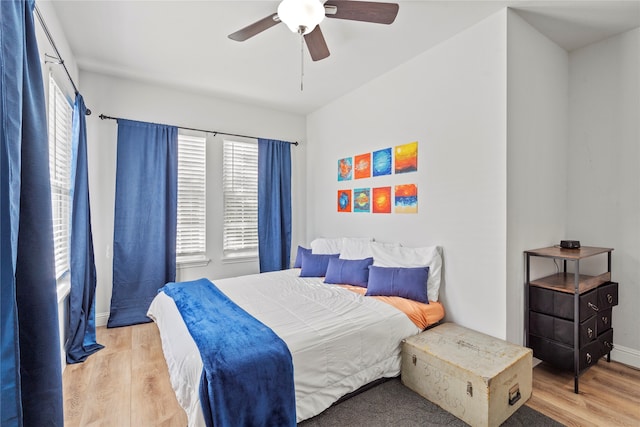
[[184, 43]]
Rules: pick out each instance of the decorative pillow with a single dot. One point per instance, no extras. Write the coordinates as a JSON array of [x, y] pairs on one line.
[[408, 283], [400, 256], [301, 250], [315, 265], [350, 272]]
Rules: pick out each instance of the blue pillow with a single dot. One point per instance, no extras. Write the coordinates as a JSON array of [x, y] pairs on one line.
[[298, 262], [348, 271], [408, 283], [315, 265]]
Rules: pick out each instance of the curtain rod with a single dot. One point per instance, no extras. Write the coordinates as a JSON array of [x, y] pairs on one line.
[[58, 57], [214, 132]]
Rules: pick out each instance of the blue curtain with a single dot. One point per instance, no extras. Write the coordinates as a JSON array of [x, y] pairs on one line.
[[31, 365], [274, 204], [144, 237], [81, 335]]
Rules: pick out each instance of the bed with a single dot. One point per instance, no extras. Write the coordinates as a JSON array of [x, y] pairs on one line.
[[339, 339]]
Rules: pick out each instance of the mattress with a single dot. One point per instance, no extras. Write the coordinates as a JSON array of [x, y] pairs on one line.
[[339, 340]]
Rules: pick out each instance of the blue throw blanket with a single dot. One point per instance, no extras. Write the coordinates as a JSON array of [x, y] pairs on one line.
[[248, 372]]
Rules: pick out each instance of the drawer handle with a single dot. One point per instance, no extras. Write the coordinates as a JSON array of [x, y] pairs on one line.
[[414, 359], [593, 306], [608, 345], [609, 298], [605, 319], [588, 359], [590, 332]]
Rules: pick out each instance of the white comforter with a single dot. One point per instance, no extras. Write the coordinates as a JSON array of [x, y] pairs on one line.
[[339, 340]]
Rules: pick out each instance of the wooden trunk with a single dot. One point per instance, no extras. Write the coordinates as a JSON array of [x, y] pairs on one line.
[[478, 378]]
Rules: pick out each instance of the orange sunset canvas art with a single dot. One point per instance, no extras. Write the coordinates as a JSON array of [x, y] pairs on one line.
[[406, 157], [381, 200], [406, 197]]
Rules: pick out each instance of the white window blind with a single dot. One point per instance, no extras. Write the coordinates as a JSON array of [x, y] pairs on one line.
[[60, 122], [240, 192], [191, 230]]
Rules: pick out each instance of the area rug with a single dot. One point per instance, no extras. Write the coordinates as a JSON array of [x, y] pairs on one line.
[[392, 404]]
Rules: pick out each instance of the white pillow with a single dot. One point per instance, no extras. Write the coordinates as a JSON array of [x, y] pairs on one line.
[[400, 256], [356, 248], [324, 245], [335, 245]]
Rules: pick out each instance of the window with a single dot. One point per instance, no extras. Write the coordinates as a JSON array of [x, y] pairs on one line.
[[60, 122], [240, 193], [191, 229]]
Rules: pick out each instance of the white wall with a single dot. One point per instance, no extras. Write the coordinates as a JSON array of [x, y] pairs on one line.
[[138, 101], [604, 170], [537, 134], [452, 100]]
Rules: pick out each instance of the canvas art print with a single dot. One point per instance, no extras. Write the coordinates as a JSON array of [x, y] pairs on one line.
[[345, 169], [362, 200], [381, 163], [381, 200], [406, 157], [406, 198], [362, 166], [344, 200]]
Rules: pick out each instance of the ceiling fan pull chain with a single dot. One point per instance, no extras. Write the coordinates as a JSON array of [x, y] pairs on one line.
[[301, 61]]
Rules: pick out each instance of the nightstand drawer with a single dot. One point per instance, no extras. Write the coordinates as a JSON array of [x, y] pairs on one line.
[[561, 330], [607, 295], [561, 355], [604, 320], [560, 304], [606, 342]]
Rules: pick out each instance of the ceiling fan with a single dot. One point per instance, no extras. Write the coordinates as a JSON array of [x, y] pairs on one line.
[[303, 17]]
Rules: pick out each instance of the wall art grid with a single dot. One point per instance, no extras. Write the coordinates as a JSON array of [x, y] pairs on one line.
[[399, 159]]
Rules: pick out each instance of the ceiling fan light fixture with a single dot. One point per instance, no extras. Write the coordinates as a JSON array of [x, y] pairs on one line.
[[301, 15]]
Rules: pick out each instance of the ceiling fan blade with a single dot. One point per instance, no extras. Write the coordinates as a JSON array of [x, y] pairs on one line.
[[255, 28], [316, 44], [365, 11]]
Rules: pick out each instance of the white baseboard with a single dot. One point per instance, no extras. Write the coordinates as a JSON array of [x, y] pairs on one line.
[[101, 319], [625, 355]]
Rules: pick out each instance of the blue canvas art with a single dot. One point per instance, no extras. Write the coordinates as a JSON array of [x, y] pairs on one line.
[[344, 200], [382, 162]]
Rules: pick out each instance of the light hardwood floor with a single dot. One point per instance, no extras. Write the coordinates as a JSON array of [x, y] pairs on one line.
[[609, 395], [126, 384]]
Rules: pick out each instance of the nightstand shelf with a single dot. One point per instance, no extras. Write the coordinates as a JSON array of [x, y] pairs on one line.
[[565, 282]]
